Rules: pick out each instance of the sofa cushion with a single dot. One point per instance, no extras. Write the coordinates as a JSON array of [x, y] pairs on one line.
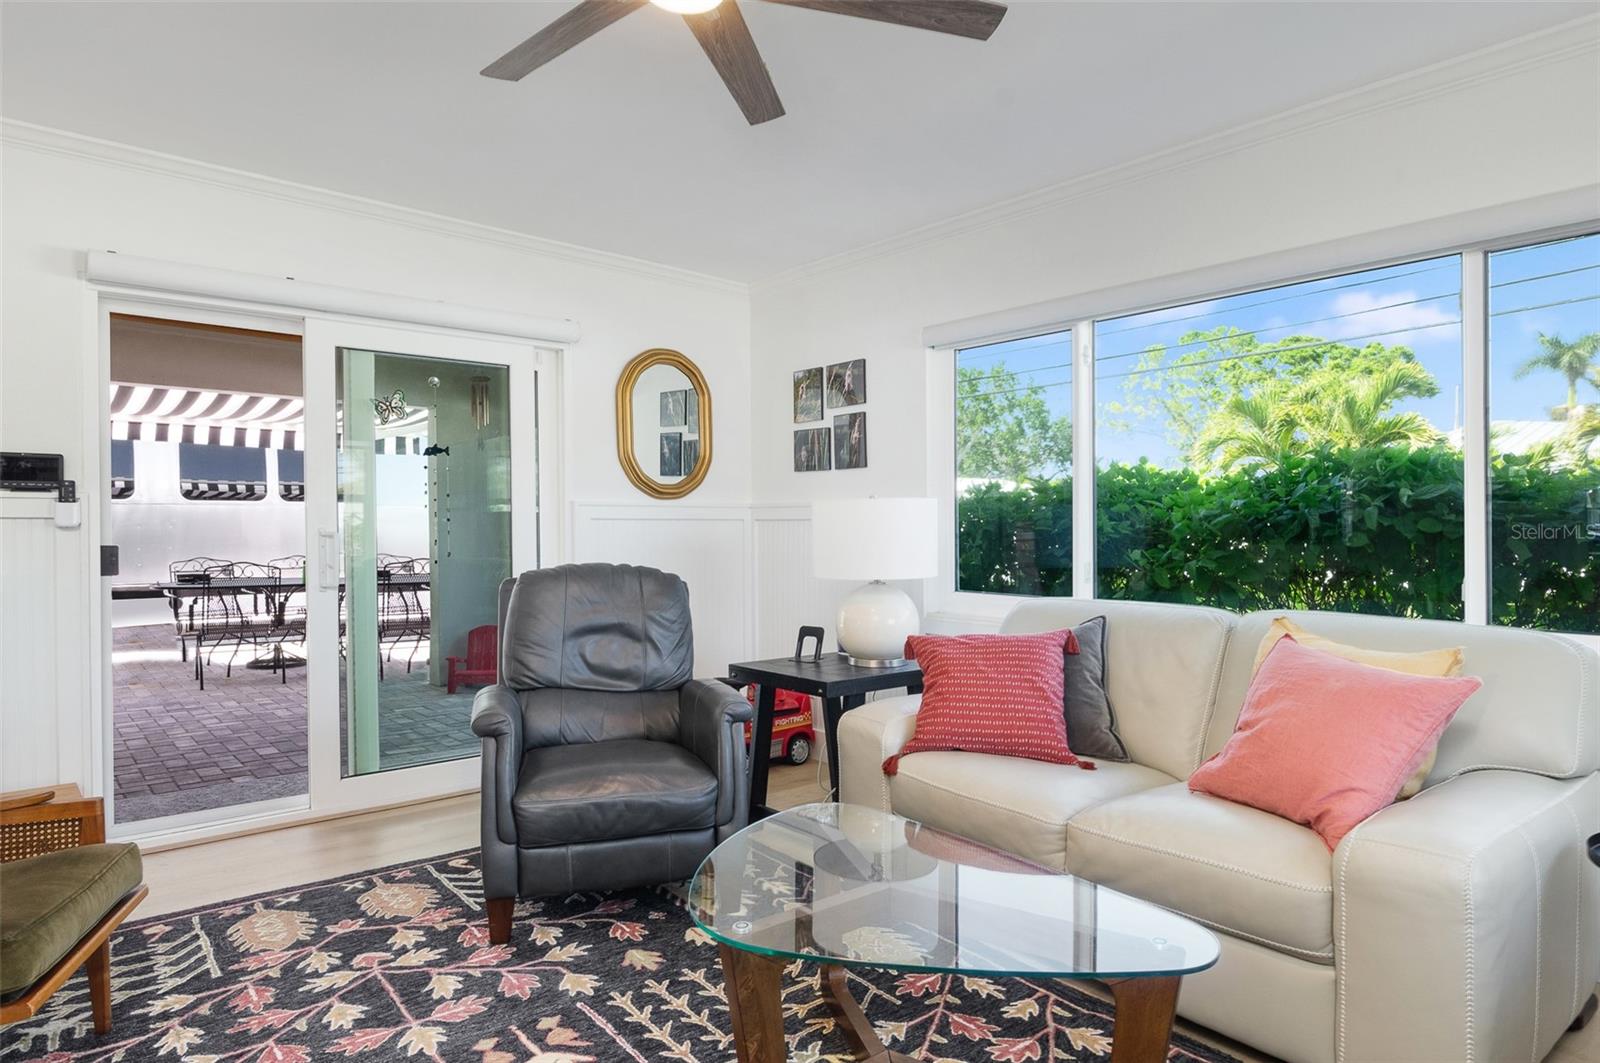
[[1001, 694], [1327, 742], [1162, 664], [598, 791], [1091, 725], [48, 903], [1536, 711], [1440, 662], [1237, 869], [1021, 806]]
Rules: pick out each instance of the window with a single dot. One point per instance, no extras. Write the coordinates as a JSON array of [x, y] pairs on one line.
[[216, 473], [122, 468], [1294, 447], [1014, 466], [291, 475], [1544, 435], [1310, 445]]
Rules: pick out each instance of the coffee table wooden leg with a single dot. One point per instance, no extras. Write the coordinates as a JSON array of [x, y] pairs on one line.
[[754, 985], [1145, 1009], [853, 1021]]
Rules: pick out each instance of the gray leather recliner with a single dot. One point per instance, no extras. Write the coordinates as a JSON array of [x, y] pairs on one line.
[[605, 765]]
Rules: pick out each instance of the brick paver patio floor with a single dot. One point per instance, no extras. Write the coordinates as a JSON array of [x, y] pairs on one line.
[[178, 748]]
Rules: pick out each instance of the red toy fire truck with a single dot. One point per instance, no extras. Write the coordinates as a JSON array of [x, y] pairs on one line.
[[792, 733]]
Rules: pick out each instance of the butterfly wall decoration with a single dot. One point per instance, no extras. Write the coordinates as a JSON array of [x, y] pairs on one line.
[[390, 408]]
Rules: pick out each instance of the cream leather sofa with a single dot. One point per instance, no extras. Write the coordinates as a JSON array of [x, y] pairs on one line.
[[1461, 925]]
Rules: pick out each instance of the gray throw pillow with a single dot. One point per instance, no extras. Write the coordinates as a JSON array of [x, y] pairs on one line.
[[1091, 726]]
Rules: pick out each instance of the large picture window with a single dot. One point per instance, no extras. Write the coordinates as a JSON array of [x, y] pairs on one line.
[[1296, 447], [1544, 435]]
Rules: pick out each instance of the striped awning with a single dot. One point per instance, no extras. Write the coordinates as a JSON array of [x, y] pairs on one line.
[[216, 418], [226, 491]]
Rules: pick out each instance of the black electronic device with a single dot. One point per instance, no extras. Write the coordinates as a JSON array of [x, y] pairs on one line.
[[31, 472]]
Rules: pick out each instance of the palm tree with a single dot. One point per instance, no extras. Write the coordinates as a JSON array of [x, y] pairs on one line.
[[1330, 408], [1259, 429], [1359, 415], [1575, 361]]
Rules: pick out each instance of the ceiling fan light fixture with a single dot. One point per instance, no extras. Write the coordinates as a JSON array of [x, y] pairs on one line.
[[686, 7]]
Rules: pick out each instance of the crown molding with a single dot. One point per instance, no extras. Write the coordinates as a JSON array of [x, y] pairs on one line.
[[46, 140], [1570, 40]]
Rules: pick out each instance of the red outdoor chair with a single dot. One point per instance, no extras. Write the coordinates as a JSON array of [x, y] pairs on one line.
[[477, 668]]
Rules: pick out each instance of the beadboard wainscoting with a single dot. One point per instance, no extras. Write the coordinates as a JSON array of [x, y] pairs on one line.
[[787, 594], [39, 627], [748, 569], [708, 545]]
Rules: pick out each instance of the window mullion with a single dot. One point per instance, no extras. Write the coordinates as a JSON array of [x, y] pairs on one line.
[[1475, 435], [1083, 466]]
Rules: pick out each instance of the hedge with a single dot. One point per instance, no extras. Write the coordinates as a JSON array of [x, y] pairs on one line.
[[1370, 531]]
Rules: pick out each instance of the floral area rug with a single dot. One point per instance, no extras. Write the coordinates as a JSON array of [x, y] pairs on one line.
[[397, 963]]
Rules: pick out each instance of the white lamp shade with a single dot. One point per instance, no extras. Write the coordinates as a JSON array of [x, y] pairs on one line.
[[865, 539]]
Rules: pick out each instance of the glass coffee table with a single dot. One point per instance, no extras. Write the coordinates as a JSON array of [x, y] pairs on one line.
[[846, 886]]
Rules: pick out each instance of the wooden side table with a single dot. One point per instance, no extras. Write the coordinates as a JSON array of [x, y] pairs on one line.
[[841, 685]]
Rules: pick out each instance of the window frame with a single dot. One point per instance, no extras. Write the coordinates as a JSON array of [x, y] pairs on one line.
[[947, 608]]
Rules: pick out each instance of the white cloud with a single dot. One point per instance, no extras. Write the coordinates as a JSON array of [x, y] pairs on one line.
[[1363, 313]]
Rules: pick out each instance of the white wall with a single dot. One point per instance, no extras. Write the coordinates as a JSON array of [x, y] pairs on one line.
[[1493, 131], [63, 196]]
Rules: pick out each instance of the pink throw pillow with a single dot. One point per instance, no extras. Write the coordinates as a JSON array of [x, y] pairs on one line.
[[991, 694], [1327, 742]]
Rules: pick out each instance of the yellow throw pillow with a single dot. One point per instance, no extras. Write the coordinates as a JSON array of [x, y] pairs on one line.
[[1437, 663]]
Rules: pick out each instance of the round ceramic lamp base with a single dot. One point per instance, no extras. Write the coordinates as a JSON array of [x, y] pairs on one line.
[[874, 623]]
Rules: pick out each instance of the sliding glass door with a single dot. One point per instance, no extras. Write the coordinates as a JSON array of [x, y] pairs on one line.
[[422, 486]]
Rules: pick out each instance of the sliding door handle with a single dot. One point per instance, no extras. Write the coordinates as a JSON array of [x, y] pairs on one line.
[[327, 560]]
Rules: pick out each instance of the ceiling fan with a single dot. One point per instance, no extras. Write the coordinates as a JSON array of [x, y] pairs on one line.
[[721, 30]]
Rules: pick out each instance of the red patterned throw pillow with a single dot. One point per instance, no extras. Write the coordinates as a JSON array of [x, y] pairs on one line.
[[991, 694]]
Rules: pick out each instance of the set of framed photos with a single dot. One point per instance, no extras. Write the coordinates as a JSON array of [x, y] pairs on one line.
[[817, 392], [680, 450]]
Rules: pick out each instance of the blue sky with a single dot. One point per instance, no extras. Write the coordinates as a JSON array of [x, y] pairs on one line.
[[1415, 304]]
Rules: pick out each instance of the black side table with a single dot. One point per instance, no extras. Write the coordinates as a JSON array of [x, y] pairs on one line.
[[841, 685]]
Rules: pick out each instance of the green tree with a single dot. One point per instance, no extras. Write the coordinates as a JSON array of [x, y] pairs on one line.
[[1576, 361], [1004, 427], [1183, 388], [1329, 408]]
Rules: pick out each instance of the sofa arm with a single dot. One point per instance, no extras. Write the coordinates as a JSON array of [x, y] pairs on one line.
[[868, 736], [1464, 920], [497, 719], [711, 719]]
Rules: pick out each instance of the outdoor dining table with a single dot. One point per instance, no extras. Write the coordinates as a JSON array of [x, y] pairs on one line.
[[276, 590]]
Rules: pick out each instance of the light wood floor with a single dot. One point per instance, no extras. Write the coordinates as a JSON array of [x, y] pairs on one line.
[[217, 871]]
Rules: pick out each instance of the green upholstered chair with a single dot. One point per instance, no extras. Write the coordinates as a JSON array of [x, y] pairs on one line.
[[63, 891]]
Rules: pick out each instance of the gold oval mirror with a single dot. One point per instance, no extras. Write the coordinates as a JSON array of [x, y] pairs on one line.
[[663, 423]]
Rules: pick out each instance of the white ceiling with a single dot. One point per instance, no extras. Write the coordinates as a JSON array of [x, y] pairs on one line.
[[630, 144]]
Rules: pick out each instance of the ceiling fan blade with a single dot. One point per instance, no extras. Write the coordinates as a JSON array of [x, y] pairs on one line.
[[572, 28], [726, 39], [977, 19]]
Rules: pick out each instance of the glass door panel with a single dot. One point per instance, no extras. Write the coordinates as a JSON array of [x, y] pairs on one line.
[[424, 480]]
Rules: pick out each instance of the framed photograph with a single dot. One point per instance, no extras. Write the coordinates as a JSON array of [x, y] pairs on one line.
[[674, 408], [847, 383], [672, 453], [808, 395], [691, 418], [850, 441], [811, 450], [691, 454]]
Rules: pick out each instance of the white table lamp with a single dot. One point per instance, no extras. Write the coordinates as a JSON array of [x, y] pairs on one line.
[[873, 540]]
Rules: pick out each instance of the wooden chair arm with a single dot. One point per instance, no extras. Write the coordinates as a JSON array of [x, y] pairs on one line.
[[29, 828]]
